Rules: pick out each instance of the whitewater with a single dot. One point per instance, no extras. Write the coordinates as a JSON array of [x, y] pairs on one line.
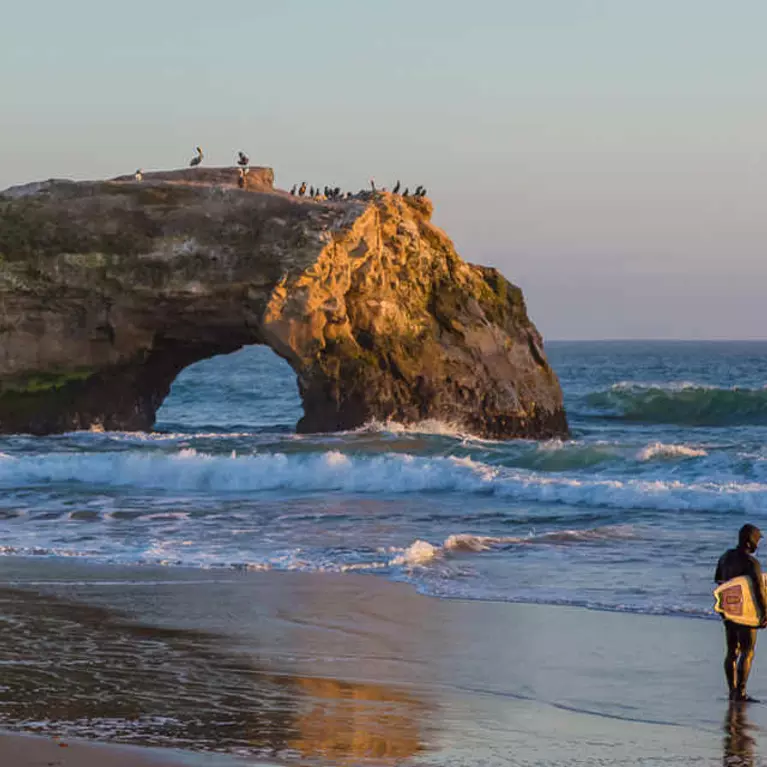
[[667, 459]]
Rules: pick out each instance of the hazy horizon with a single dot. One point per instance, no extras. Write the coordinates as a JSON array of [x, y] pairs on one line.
[[608, 157]]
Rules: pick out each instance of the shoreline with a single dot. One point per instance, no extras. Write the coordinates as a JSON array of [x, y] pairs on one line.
[[351, 668], [223, 572]]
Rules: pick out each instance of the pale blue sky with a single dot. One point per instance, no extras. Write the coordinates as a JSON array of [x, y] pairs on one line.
[[610, 156]]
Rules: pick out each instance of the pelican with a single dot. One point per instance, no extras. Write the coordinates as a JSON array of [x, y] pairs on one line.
[[139, 174], [195, 161], [242, 159]]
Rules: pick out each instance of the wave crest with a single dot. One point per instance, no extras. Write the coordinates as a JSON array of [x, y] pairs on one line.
[[683, 404]]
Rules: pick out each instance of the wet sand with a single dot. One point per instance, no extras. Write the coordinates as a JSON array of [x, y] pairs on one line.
[[345, 669], [32, 751]]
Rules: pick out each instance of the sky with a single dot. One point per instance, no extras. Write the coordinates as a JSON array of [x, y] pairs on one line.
[[608, 156]]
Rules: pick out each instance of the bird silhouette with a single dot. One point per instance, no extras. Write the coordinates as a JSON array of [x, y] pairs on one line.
[[302, 189], [406, 192], [198, 159], [293, 189], [396, 187]]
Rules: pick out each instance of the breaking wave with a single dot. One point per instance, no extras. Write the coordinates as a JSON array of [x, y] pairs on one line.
[[388, 474], [683, 404], [422, 553]]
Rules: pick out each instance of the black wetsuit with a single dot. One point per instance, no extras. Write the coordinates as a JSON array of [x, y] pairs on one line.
[[741, 640]]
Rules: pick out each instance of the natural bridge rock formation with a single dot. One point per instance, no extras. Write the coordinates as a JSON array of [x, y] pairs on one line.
[[109, 288]]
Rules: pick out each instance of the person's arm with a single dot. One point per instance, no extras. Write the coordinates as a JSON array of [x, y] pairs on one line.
[[718, 575], [759, 595]]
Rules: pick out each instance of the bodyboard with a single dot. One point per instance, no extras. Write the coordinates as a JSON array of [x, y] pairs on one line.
[[735, 601]]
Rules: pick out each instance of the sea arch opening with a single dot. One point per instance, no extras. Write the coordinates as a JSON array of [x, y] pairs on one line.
[[250, 388]]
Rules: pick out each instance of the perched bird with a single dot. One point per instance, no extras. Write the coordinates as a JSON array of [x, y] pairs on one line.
[[293, 189], [406, 192], [311, 191], [336, 192], [373, 184], [396, 188], [242, 159], [138, 175], [241, 173], [302, 189], [423, 191], [198, 159]]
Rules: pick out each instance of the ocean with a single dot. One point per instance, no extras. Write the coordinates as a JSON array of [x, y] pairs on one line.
[[667, 460]]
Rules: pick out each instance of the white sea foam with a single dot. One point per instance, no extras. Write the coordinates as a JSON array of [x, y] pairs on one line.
[[427, 427], [418, 553], [190, 470], [661, 450]]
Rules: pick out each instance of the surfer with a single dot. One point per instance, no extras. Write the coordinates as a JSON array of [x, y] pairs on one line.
[[741, 640]]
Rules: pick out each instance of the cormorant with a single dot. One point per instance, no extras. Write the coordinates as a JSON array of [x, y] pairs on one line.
[[406, 192], [423, 191], [293, 189], [396, 188], [139, 174], [311, 191], [196, 160], [302, 189], [373, 184], [336, 192], [242, 159]]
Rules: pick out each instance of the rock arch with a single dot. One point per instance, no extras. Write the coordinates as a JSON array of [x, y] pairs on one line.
[[108, 289]]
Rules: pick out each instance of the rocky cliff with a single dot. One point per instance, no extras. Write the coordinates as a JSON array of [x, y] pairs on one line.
[[109, 288]]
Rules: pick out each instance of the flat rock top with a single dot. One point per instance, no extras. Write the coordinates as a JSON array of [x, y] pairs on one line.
[[261, 178]]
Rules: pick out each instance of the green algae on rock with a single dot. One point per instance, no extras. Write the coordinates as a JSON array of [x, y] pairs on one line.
[[109, 288]]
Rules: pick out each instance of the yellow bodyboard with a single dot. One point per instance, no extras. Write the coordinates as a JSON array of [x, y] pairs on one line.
[[735, 601]]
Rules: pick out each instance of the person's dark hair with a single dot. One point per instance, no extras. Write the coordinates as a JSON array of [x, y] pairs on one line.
[[748, 538]]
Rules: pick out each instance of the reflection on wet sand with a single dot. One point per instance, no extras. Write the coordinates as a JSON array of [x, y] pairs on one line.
[[80, 670], [358, 720], [738, 745]]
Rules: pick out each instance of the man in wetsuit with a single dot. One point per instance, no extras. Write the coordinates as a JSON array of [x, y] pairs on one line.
[[741, 640]]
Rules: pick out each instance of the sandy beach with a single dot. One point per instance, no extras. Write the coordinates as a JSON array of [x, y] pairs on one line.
[[350, 669]]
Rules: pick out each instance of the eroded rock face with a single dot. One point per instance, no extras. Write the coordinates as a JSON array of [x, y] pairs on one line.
[[108, 289]]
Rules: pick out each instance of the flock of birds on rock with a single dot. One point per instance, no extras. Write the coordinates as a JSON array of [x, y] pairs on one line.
[[314, 193], [335, 193]]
